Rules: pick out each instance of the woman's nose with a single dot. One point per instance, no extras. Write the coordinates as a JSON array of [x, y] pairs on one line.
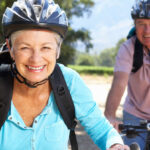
[[35, 56]]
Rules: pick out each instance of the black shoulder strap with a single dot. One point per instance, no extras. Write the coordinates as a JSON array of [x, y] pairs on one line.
[[138, 56], [61, 93], [6, 88], [5, 57], [138, 51], [64, 102]]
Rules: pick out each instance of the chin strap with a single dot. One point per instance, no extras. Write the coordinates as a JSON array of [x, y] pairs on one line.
[[21, 79]]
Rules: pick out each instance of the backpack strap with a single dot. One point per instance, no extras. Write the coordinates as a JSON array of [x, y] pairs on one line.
[[138, 51], [64, 102], [61, 93], [138, 56], [5, 57], [131, 33], [6, 88]]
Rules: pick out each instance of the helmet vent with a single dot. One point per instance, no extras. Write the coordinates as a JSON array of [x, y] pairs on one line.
[[29, 14], [142, 12], [24, 10], [141, 9], [148, 9], [37, 11]]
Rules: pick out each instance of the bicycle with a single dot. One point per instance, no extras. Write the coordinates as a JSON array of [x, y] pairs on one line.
[[132, 131]]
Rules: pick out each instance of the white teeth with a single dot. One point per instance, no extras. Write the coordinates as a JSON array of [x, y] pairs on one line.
[[36, 68], [147, 36]]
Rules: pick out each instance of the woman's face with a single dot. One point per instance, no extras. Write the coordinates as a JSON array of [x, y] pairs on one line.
[[143, 31], [34, 52]]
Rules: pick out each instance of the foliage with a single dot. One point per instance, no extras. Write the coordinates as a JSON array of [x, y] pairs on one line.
[[3, 4], [84, 59], [68, 48], [72, 8], [92, 69], [107, 56], [75, 7], [118, 46]]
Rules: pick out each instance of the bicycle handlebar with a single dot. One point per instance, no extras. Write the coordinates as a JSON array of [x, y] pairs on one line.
[[144, 124], [123, 126], [132, 131]]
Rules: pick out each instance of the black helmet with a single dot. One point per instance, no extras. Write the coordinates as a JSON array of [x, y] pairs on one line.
[[39, 14], [141, 9]]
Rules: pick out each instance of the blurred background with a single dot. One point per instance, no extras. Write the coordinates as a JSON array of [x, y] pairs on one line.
[[96, 30]]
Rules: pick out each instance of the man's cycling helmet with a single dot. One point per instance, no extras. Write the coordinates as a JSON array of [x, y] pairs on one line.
[[36, 14], [141, 9]]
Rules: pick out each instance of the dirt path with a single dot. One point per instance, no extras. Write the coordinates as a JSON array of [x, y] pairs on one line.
[[100, 87]]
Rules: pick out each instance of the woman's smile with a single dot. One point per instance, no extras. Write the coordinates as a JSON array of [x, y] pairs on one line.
[[34, 52], [36, 68]]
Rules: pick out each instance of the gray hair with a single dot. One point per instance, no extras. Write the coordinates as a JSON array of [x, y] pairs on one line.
[[58, 38]]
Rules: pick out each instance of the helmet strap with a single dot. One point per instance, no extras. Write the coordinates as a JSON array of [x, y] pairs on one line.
[[21, 79]]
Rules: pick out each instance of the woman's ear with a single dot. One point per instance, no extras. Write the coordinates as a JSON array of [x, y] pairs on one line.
[[8, 45], [9, 48]]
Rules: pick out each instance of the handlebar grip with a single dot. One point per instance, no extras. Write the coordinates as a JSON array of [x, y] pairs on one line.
[[121, 126]]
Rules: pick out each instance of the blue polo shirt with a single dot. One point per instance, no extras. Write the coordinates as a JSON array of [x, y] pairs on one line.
[[49, 131]]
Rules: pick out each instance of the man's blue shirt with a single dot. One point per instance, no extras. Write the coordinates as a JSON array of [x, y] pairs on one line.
[[49, 131]]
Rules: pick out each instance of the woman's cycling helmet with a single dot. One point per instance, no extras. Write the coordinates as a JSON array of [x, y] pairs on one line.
[[31, 14], [141, 9], [36, 14]]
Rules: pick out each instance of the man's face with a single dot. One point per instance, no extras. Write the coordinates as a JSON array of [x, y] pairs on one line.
[[143, 31]]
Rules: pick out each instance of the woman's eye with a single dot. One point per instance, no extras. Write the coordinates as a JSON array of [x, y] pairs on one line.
[[24, 48], [46, 48]]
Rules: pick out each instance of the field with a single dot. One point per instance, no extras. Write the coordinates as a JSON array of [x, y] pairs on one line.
[[93, 70], [100, 86]]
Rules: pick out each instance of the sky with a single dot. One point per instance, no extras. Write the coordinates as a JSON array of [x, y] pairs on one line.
[[110, 20]]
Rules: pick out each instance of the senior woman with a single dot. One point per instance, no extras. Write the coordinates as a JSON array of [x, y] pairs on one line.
[[34, 31]]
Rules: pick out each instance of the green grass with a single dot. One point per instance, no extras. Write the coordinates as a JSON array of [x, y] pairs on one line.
[[93, 70]]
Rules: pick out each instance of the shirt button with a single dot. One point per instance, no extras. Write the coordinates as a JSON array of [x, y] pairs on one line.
[[35, 121], [18, 123], [49, 111], [10, 118], [33, 140]]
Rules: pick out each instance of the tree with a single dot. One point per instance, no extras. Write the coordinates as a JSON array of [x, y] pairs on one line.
[[118, 46], [68, 48], [107, 56], [85, 59], [3, 4], [72, 8]]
